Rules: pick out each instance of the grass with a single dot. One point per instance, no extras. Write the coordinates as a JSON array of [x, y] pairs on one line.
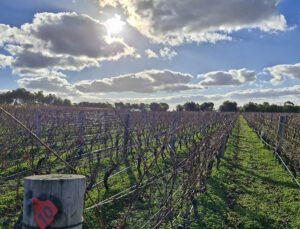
[[250, 189]]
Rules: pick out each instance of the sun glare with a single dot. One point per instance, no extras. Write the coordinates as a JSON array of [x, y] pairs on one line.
[[114, 25]]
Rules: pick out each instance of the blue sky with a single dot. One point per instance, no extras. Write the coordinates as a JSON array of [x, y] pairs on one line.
[[144, 51]]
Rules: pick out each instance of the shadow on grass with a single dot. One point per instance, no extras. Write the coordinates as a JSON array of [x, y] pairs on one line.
[[251, 174]]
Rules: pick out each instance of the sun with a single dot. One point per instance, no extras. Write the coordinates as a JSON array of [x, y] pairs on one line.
[[114, 25]]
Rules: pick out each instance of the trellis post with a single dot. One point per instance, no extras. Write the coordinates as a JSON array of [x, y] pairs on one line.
[[55, 199]]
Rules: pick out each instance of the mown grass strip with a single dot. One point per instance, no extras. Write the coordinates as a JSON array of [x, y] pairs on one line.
[[250, 190]]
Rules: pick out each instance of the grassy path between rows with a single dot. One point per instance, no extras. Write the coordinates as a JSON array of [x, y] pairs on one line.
[[250, 189]]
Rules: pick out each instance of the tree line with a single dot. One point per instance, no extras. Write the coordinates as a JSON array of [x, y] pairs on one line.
[[23, 97]]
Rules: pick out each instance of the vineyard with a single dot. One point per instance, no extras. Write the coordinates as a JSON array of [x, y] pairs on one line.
[[143, 169], [280, 132]]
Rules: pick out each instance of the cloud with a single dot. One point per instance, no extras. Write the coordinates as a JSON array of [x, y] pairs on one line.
[[37, 62], [175, 22], [150, 53], [149, 81], [234, 77], [273, 95], [87, 36], [47, 83], [167, 53], [266, 93], [91, 91], [279, 72], [60, 41], [5, 60]]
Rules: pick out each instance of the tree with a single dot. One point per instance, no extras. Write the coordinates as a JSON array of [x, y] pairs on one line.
[[39, 97], [290, 107], [144, 107], [207, 106], [191, 106], [251, 107], [119, 106], [179, 107], [289, 103], [164, 106], [154, 106], [228, 106], [67, 102]]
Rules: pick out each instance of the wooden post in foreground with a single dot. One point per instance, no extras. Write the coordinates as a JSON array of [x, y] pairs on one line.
[[65, 191]]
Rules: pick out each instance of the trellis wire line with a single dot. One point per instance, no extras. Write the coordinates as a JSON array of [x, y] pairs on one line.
[[37, 138], [121, 171], [275, 151], [152, 217], [112, 198], [184, 194], [88, 153]]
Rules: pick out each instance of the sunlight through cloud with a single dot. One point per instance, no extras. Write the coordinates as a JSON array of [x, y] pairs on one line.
[[114, 25]]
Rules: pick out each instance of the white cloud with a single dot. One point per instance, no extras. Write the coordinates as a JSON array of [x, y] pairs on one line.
[[92, 89], [175, 22], [167, 53], [60, 41], [149, 81], [278, 95], [150, 53], [279, 72], [5, 60], [48, 84], [258, 95], [234, 77]]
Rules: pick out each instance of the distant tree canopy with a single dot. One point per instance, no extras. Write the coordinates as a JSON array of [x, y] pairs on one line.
[[96, 105], [159, 106], [288, 107], [229, 106], [192, 106], [132, 106], [23, 97]]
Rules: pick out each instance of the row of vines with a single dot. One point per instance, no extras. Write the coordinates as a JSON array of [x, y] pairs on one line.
[[143, 169], [280, 132]]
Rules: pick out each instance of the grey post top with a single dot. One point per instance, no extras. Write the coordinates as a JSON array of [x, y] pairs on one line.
[[55, 177]]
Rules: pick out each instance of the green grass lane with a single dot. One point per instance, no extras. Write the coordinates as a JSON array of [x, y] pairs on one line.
[[250, 189]]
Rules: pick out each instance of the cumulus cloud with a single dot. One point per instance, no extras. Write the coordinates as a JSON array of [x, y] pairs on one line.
[[274, 95], [47, 83], [234, 77], [150, 53], [60, 41], [175, 22], [142, 82], [279, 72], [167, 53], [91, 91], [149, 81], [271, 95], [265, 93], [5, 60]]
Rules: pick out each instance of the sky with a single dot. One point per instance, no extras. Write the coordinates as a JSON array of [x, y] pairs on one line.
[[147, 51]]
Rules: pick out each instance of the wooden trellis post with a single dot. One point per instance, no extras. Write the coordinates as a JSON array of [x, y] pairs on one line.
[[81, 118], [204, 123], [38, 128], [281, 128], [56, 200], [126, 136], [173, 137]]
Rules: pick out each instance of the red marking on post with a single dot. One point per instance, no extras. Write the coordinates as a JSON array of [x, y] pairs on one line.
[[44, 212]]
